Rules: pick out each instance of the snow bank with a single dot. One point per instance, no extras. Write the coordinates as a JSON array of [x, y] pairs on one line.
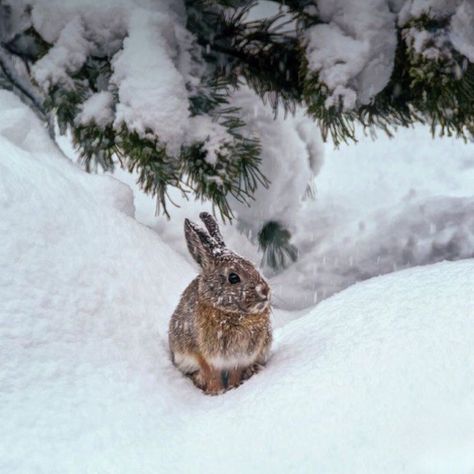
[[376, 379], [85, 292]]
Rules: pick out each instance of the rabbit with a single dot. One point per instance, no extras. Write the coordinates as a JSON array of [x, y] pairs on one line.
[[220, 333]]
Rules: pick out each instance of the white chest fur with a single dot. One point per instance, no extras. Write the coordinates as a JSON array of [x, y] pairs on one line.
[[232, 362]]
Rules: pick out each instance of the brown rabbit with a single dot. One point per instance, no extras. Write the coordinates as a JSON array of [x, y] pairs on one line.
[[220, 333]]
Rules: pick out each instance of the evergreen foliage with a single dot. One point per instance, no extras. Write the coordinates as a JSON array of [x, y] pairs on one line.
[[270, 55], [267, 54], [274, 242]]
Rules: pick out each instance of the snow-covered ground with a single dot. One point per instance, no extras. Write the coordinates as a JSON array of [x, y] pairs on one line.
[[377, 378]]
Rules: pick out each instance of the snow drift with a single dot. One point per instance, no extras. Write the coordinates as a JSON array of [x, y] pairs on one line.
[[376, 379]]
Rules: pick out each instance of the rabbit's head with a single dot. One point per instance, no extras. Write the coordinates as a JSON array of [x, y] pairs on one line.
[[228, 282]]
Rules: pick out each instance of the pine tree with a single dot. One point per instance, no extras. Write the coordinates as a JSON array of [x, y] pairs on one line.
[[281, 57]]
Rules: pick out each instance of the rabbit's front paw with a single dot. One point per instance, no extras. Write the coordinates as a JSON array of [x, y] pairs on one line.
[[209, 384], [198, 379]]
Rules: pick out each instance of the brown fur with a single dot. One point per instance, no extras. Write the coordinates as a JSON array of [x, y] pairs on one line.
[[231, 334], [220, 332]]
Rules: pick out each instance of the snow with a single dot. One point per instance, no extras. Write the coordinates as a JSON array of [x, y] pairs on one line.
[[292, 154], [353, 50], [105, 23], [435, 8], [98, 108], [162, 71], [152, 92], [65, 58], [214, 136], [381, 206], [377, 378], [461, 31], [155, 66]]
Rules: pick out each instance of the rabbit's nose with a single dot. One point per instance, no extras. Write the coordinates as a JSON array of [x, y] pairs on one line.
[[263, 291]]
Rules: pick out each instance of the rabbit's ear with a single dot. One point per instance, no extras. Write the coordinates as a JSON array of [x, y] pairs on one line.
[[200, 245], [213, 228]]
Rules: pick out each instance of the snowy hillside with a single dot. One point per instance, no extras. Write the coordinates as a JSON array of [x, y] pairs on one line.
[[376, 379]]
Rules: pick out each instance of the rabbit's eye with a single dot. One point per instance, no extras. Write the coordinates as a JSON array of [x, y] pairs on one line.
[[233, 278]]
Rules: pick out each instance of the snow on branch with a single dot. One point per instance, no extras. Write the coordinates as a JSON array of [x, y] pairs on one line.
[[152, 91], [352, 45], [353, 51], [66, 57]]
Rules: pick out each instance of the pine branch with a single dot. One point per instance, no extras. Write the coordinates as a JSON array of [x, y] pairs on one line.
[[261, 52], [269, 55], [421, 90], [278, 251]]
